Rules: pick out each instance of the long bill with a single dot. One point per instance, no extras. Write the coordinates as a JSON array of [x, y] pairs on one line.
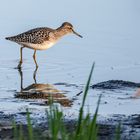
[[77, 34]]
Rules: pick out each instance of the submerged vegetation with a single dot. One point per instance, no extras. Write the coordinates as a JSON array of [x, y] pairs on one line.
[[86, 127]]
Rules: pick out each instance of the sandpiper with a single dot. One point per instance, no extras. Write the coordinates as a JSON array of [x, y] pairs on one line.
[[41, 38]]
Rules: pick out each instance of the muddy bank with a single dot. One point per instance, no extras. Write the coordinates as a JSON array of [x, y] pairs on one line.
[[130, 127], [115, 84]]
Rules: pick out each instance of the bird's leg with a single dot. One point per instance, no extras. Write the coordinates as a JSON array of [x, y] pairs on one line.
[[34, 75], [20, 62], [21, 79], [34, 57]]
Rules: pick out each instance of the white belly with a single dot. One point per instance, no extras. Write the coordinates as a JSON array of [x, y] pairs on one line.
[[43, 46]]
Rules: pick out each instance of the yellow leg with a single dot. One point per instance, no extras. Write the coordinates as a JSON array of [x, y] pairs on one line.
[[20, 62], [34, 57]]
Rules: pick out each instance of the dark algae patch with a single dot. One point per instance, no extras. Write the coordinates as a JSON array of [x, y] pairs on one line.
[[115, 84]]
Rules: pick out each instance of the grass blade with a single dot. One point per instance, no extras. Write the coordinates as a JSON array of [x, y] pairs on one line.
[[15, 130], [20, 132], [83, 102], [30, 130], [118, 132], [93, 129]]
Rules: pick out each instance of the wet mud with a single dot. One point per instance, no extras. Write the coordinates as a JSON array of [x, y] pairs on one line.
[[116, 84], [130, 127]]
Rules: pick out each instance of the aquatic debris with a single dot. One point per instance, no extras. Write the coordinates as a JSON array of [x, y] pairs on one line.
[[115, 84]]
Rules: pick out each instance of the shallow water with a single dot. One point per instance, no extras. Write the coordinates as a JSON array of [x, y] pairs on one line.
[[111, 40]]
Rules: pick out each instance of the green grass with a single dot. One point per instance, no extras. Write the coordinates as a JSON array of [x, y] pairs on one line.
[[30, 129], [86, 127], [118, 131]]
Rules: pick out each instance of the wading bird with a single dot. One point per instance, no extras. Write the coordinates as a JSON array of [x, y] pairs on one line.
[[41, 38]]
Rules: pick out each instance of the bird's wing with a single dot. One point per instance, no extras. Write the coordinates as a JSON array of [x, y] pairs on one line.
[[35, 36]]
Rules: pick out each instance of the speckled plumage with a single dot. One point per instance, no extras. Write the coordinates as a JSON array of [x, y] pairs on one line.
[[41, 38], [35, 36]]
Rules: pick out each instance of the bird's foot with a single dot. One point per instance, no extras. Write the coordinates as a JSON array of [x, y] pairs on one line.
[[19, 66]]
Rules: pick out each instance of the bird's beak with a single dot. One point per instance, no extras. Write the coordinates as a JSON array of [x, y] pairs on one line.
[[77, 34]]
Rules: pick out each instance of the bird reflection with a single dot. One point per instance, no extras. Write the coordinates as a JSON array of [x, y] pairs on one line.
[[41, 91]]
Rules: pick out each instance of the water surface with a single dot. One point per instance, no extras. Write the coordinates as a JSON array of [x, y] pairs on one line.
[[111, 40]]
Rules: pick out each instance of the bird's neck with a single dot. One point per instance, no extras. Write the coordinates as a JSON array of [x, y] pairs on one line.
[[60, 32]]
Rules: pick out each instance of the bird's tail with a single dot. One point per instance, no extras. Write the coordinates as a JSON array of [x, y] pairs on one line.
[[7, 38], [10, 38]]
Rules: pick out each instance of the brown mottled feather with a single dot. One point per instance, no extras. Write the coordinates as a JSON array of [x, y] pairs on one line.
[[35, 36]]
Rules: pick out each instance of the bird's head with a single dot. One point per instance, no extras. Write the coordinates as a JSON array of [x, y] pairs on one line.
[[68, 28]]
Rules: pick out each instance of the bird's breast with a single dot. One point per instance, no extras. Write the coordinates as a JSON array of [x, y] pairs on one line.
[[43, 46]]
